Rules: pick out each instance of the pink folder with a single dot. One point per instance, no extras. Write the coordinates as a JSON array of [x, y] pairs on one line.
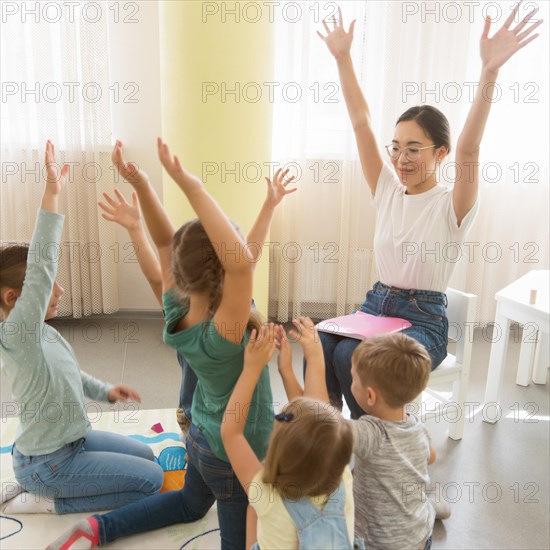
[[361, 325]]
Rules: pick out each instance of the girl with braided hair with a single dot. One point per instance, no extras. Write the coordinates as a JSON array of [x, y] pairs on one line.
[[207, 270]]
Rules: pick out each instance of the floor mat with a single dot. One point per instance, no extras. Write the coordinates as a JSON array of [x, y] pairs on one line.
[[157, 428]]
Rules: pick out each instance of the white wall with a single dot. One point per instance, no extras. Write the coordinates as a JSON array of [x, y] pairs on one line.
[[135, 58]]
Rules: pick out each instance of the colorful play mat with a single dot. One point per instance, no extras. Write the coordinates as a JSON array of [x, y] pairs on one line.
[[157, 428]]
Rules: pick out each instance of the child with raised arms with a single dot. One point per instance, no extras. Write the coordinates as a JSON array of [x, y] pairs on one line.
[[128, 215], [207, 297], [65, 464], [302, 493]]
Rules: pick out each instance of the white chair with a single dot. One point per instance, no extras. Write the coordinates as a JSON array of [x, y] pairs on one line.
[[461, 311]]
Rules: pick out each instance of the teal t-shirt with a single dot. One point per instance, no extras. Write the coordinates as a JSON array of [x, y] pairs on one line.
[[218, 363]]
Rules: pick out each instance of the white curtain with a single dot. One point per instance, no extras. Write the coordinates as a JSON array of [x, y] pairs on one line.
[[56, 85], [322, 237]]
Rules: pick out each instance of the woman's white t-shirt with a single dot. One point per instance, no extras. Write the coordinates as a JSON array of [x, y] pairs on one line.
[[417, 240]]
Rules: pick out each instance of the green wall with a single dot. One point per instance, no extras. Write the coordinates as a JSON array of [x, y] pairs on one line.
[[202, 54]]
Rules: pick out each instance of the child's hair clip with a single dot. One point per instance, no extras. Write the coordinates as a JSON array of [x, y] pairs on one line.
[[284, 417]]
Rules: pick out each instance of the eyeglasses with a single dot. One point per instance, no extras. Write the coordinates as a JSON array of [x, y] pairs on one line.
[[411, 153]]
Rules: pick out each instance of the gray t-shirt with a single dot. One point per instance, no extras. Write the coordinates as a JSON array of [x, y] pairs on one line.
[[389, 483]]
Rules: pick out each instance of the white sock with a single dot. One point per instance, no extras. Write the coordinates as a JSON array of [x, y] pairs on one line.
[[441, 506], [10, 489], [30, 503], [442, 509]]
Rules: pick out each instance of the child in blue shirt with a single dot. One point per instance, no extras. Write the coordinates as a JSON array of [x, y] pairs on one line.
[[56, 455]]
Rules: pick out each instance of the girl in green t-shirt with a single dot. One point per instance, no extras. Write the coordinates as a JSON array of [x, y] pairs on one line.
[[207, 271]]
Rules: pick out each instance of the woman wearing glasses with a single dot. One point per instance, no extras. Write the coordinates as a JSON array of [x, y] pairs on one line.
[[417, 217]]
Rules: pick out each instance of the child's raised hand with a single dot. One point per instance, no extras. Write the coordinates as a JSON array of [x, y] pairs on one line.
[[130, 171], [284, 359], [306, 333], [506, 42], [277, 188], [56, 177], [338, 40], [315, 385], [188, 182], [260, 347], [121, 211], [293, 388]]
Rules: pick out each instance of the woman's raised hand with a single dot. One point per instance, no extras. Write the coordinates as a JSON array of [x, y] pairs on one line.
[[187, 181], [337, 39], [130, 171], [56, 176], [506, 42]]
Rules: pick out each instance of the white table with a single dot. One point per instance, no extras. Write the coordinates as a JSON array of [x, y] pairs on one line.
[[513, 305]]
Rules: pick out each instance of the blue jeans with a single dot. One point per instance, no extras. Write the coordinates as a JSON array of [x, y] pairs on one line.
[[208, 479], [97, 472], [424, 309]]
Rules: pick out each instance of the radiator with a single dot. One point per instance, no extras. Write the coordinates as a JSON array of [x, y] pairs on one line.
[[329, 281]]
